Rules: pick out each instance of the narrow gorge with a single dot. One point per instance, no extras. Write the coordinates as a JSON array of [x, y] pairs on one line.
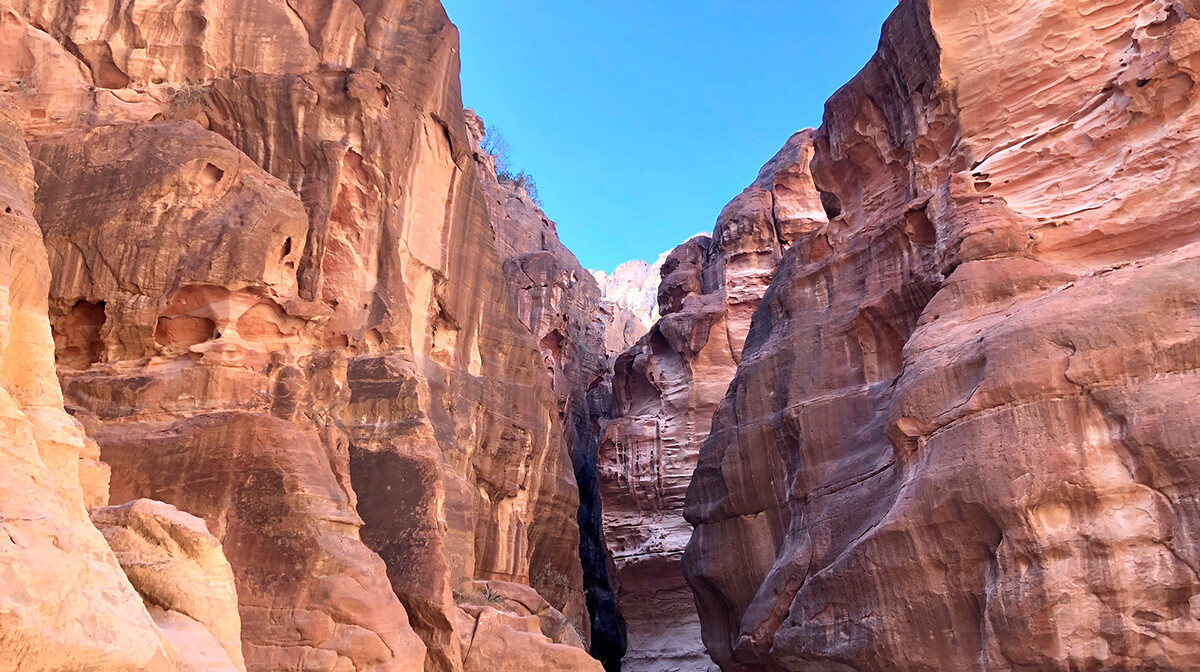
[[293, 377]]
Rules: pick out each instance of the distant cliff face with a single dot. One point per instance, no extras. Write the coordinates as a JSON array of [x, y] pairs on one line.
[[562, 306], [277, 304], [963, 432], [633, 287], [665, 391]]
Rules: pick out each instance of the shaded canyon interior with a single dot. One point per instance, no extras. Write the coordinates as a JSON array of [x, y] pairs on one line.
[[292, 378]]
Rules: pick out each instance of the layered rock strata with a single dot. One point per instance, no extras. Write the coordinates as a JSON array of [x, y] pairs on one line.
[[666, 389], [65, 604], [561, 305], [278, 306], [963, 432]]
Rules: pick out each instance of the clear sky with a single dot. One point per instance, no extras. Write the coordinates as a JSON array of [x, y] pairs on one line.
[[639, 120]]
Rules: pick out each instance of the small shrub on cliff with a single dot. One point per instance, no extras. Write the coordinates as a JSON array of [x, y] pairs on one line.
[[494, 144], [192, 92], [489, 596], [521, 180]]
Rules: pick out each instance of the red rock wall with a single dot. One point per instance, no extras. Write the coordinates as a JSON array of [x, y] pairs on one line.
[[561, 305], [64, 601], [278, 305], [963, 430], [666, 389], [165, 600]]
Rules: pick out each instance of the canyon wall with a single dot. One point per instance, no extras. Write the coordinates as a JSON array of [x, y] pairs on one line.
[[562, 306], [64, 598], [277, 304], [963, 433], [633, 287], [666, 389], [928, 394], [70, 600]]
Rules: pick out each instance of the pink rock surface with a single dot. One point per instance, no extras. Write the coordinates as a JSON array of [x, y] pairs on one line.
[[65, 604], [962, 435], [666, 389], [181, 572], [561, 305]]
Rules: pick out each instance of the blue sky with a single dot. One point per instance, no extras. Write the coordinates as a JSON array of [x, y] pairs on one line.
[[640, 120]]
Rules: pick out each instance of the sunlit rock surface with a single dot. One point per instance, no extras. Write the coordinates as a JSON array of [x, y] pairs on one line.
[[632, 290], [963, 434], [180, 571], [278, 306], [65, 604]]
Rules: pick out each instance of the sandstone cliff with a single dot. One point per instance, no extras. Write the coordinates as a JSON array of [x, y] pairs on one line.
[[64, 599], [562, 306], [277, 305], [632, 289], [68, 600], [928, 393], [666, 389], [963, 432]]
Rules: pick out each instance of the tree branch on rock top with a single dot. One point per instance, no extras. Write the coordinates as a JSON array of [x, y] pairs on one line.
[[523, 181], [494, 144]]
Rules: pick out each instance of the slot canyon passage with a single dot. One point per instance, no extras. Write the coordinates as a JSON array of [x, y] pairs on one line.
[[290, 380]]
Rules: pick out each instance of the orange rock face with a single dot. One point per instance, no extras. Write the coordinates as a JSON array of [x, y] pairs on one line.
[[963, 432], [67, 600], [181, 572], [277, 306], [64, 601], [666, 389], [561, 305]]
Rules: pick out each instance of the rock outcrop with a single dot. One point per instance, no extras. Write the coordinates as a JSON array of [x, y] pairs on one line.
[[181, 572], [561, 305], [666, 389], [508, 627], [67, 604], [278, 306], [64, 602], [963, 432]]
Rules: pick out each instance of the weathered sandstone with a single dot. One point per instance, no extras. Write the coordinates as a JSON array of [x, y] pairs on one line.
[[666, 389], [64, 602], [963, 432], [278, 306], [188, 392], [510, 628], [632, 289], [181, 572], [560, 303]]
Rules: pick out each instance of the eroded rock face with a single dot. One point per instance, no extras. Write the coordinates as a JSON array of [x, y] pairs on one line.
[[561, 305], [64, 602], [666, 389], [508, 626], [195, 388], [632, 288], [181, 572], [277, 306], [963, 432]]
